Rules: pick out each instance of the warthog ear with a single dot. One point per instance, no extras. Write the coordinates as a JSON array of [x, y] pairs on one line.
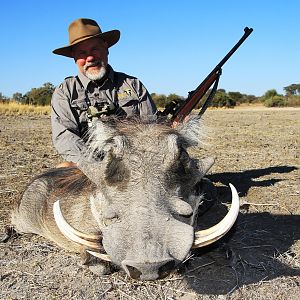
[[99, 135], [192, 131], [103, 139], [109, 164], [205, 164]]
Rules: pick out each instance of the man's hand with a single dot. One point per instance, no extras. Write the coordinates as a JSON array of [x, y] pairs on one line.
[[66, 164]]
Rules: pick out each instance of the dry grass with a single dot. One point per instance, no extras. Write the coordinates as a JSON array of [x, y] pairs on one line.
[[257, 150], [13, 108]]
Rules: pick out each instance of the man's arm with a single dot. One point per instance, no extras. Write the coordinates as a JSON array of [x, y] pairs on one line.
[[147, 106], [65, 129]]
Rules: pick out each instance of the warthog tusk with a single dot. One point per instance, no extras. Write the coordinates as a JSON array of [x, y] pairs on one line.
[[99, 255], [208, 236], [91, 241]]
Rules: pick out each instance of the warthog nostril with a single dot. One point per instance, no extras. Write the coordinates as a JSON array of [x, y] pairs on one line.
[[148, 271], [133, 272], [165, 270]]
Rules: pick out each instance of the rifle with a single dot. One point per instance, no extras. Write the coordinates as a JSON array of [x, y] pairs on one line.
[[179, 110]]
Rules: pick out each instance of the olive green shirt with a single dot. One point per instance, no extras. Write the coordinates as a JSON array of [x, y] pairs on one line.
[[72, 99]]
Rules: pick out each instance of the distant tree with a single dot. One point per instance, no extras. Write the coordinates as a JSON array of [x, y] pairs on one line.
[[40, 96], [270, 94], [292, 89], [221, 91], [236, 96], [249, 98], [160, 100], [173, 97], [18, 97], [3, 98], [222, 99]]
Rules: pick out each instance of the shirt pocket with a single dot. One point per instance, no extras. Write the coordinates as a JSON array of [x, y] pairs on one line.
[[128, 102], [129, 106]]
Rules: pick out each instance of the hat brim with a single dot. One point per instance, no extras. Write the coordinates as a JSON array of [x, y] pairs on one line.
[[111, 37]]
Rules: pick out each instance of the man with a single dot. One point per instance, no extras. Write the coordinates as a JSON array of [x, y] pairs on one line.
[[95, 91]]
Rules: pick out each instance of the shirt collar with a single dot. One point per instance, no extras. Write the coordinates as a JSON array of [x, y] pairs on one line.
[[86, 81]]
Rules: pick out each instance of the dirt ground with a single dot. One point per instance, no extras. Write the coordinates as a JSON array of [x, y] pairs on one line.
[[257, 150]]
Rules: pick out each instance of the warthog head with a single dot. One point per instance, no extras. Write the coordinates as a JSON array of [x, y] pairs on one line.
[[139, 201]]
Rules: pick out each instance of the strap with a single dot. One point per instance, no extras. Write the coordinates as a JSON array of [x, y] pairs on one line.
[[211, 95]]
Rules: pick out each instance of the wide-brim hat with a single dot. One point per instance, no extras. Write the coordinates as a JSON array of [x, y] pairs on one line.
[[84, 29]]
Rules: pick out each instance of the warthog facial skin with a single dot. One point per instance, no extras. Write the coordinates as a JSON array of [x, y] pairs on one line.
[[140, 198]]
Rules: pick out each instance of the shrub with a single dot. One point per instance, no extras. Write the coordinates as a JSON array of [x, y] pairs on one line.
[[223, 100], [275, 101], [270, 94]]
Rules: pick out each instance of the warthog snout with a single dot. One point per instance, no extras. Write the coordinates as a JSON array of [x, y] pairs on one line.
[[148, 271]]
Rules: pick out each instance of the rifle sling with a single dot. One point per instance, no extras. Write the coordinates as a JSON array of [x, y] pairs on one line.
[[211, 95]]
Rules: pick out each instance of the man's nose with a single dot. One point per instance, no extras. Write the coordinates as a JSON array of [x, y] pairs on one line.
[[90, 58]]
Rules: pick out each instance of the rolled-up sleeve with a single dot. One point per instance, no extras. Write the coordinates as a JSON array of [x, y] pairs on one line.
[[65, 128]]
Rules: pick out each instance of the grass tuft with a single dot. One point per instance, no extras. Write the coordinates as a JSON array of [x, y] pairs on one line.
[[13, 108]]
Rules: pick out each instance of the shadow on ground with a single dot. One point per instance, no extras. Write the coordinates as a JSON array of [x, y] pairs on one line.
[[259, 248], [243, 181]]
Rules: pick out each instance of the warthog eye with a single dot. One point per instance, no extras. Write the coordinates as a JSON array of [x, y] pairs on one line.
[[184, 163], [183, 172], [108, 222], [110, 216]]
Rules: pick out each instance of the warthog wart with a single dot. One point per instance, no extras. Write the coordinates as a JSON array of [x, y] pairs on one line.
[[136, 206]]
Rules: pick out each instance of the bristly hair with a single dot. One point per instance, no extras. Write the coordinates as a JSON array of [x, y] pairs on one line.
[[68, 180], [102, 135], [105, 132]]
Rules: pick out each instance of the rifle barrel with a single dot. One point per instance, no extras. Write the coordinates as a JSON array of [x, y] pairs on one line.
[[247, 32], [195, 96]]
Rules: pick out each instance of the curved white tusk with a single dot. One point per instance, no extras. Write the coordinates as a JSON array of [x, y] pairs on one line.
[[208, 236], [99, 255], [91, 241]]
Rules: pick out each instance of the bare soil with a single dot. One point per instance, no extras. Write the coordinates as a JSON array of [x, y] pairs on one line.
[[257, 150]]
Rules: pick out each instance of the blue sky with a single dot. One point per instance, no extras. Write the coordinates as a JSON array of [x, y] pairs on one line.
[[170, 45]]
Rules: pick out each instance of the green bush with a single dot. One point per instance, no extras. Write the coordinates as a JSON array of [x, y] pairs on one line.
[[162, 100], [270, 94], [275, 101], [221, 99]]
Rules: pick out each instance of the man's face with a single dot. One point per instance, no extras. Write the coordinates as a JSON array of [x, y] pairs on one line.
[[91, 57]]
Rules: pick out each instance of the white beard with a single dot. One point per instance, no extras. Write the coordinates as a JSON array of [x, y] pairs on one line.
[[93, 74]]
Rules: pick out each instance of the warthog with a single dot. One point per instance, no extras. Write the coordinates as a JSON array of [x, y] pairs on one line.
[[135, 206]]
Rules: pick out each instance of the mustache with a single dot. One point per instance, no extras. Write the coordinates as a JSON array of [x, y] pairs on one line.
[[92, 64]]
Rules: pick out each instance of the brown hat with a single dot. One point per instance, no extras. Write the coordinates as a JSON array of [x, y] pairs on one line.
[[83, 29]]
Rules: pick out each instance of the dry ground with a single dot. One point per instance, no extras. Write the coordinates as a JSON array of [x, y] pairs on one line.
[[258, 150]]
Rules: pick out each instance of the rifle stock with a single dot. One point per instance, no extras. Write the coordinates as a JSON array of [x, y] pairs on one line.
[[194, 97]]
